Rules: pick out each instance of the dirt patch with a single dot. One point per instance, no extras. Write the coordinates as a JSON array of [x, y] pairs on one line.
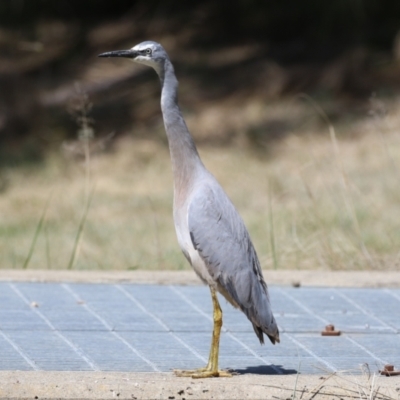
[[100, 385]]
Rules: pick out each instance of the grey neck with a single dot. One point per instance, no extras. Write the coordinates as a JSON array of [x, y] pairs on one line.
[[185, 159]]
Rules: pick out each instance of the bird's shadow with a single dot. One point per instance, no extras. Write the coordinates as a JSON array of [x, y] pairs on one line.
[[265, 370]]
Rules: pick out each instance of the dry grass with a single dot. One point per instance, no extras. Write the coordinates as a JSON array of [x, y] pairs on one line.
[[334, 201], [345, 385]]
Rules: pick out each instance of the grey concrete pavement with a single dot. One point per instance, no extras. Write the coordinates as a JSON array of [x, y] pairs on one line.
[[69, 338]]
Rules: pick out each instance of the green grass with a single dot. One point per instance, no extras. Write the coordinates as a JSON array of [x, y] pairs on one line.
[[310, 200]]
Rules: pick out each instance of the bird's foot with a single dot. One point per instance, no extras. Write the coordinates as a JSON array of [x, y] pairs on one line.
[[189, 372], [202, 373], [212, 374]]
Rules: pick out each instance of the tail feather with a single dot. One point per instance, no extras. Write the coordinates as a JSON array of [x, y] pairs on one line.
[[260, 334], [251, 296]]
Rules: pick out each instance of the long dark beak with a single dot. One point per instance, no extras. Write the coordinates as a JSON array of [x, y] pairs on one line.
[[120, 53]]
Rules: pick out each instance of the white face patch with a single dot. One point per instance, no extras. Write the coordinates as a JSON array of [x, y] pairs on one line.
[[150, 54], [142, 47], [144, 58]]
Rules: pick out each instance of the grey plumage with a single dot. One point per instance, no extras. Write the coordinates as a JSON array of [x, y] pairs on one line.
[[220, 236], [210, 231]]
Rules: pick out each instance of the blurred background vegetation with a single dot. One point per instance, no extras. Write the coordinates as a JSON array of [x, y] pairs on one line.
[[294, 105]]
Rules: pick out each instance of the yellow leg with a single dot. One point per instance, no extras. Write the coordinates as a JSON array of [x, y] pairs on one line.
[[211, 370]]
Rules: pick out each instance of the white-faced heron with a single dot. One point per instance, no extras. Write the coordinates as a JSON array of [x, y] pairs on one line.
[[210, 231]]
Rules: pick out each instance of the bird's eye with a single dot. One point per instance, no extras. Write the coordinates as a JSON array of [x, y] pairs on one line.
[[148, 51]]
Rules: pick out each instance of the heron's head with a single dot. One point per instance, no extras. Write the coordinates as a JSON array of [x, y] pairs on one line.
[[148, 53]]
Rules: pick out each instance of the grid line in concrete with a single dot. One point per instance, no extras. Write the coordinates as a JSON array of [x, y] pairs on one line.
[[302, 306], [128, 327], [110, 328], [310, 352], [144, 309], [254, 354], [19, 351], [78, 351], [363, 310], [366, 350]]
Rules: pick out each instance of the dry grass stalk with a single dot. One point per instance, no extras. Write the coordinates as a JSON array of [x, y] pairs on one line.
[[334, 207]]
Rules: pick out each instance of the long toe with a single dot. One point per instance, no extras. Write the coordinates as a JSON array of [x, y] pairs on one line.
[[205, 372], [189, 372], [212, 374]]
